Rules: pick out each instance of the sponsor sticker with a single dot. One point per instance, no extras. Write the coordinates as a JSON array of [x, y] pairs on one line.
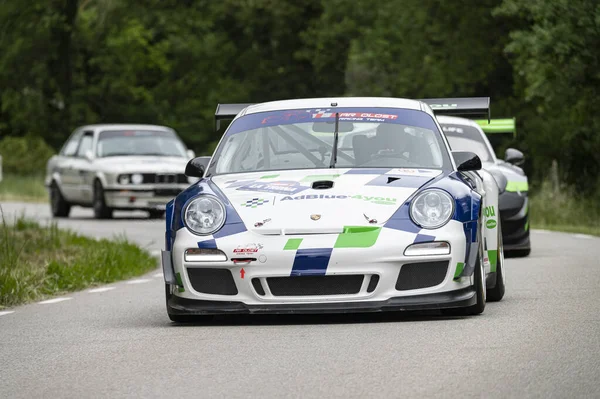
[[489, 211], [251, 248], [490, 224], [276, 187], [374, 200], [254, 202]]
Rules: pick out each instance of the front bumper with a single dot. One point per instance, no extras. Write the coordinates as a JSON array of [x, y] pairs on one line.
[[445, 300], [514, 218], [141, 196], [273, 283]]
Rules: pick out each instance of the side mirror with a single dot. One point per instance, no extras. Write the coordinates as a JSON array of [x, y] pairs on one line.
[[191, 154], [466, 161], [89, 155], [197, 166], [514, 156]]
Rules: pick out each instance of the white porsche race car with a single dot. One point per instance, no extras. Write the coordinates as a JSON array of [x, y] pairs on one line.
[[334, 205]]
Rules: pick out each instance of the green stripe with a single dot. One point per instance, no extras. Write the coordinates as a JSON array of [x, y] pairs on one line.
[[514, 186], [292, 244], [269, 176], [179, 282], [459, 269], [312, 178], [493, 257], [527, 225], [357, 237]]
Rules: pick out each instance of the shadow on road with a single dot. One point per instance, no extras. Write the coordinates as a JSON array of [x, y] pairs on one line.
[[304, 319]]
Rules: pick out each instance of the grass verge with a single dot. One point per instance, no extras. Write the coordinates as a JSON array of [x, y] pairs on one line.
[[38, 261], [560, 210], [23, 188]]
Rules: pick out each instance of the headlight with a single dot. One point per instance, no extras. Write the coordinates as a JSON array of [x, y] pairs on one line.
[[432, 208], [136, 178], [124, 179], [204, 215]]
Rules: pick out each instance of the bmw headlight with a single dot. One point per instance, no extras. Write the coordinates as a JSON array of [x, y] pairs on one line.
[[204, 215], [432, 208], [137, 178]]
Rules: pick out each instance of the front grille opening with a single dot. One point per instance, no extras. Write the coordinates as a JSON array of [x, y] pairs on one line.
[[258, 286], [421, 275], [212, 281], [373, 283], [315, 285]]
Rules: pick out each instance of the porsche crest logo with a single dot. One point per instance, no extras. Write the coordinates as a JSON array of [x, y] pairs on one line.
[[315, 217]]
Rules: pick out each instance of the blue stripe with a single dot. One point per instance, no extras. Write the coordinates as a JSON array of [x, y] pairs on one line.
[[207, 244], [423, 238], [311, 262], [169, 223], [400, 220]]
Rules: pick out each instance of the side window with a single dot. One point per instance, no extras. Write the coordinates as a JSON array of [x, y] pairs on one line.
[[85, 144], [70, 148]]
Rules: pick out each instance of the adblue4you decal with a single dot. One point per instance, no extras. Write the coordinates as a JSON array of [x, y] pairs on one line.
[[374, 200]]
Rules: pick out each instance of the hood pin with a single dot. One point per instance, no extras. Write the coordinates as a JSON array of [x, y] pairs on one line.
[[260, 224], [371, 221]]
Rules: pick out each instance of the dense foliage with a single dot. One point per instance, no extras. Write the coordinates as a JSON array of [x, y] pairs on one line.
[[65, 63]]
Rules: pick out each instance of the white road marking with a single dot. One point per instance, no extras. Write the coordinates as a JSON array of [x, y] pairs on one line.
[[157, 275], [4, 313], [55, 300], [101, 289], [138, 281], [584, 236]]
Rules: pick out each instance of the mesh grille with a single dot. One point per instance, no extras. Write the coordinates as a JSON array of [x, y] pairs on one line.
[[315, 285], [212, 281], [421, 275]]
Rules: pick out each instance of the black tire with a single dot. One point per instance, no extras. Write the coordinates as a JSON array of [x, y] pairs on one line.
[[480, 291], [101, 211], [496, 293], [519, 253], [58, 205], [177, 318], [156, 214]]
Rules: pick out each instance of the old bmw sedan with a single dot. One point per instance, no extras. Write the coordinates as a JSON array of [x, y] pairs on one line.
[[118, 167], [334, 205]]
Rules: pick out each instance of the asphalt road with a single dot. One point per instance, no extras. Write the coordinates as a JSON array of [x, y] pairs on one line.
[[542, 340]]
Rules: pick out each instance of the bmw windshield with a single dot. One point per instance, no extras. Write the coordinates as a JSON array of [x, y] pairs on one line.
[[113, 143], [303, 139]]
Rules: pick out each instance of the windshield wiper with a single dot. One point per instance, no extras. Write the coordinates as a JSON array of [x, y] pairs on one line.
[[335, 141]]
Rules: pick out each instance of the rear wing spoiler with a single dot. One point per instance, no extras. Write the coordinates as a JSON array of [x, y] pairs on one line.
[[498, 126], [464, 106], [227, 111]]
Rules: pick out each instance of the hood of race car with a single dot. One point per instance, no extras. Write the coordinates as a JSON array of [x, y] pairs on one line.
[[320, 200]]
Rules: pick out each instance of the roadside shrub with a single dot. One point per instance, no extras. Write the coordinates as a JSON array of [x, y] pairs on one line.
[[24, 155]]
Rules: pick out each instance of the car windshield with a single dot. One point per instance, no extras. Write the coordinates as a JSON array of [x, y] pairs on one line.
[[467, 138], [303, 139], [139, 142]]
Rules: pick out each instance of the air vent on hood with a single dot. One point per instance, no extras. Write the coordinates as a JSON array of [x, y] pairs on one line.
[[322, 185], [392, 179]]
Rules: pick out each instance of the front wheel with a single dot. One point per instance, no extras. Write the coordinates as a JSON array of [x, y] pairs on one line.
[[480, 292], [59, 206], [101, 210], [497, 293]]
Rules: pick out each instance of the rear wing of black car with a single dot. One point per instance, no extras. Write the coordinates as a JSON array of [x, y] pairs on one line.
[[227, 112], [464, 106]]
